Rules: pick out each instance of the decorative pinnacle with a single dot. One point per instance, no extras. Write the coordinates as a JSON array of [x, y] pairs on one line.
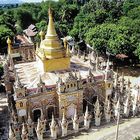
[[53, 121], [9, 41], [107, 67], [65, 42], [49, 12], [75, 115], [63, 118], [68, 51], [41, 33], [86, 112], [51, 29], [24, 129], [40, 80]]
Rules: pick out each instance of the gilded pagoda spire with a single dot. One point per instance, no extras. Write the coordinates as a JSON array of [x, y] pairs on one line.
[[9, 45], [51, 28], [51, 54], [42, 34], [65, 42]]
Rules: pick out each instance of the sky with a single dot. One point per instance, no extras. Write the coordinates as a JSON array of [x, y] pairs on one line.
[[18, 1]]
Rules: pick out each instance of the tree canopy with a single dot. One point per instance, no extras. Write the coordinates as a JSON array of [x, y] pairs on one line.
[[106, 25], [110, 26]]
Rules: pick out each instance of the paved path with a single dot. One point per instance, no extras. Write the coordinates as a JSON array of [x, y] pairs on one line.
[[127, 131]]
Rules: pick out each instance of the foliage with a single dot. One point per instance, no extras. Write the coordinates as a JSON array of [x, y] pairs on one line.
[[1, 71], [106, 25], [24, 18], [4, 34], [137, 138], [110, 26]]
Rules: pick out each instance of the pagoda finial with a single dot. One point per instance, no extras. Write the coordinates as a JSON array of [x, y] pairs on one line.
[[63, 117], [24, 131], [75, 115], [17, 82], [51, 29], [65, 42], [9, 41], [11, 133], [68, 51], [38, 125], [53, 121], [86, 112], [42, 116], [40, 80], [117, 108], [41, 33], [29, 119], [107, 67], [9, 45], [90, 72]]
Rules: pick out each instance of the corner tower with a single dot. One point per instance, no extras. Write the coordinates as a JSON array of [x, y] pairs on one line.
[[52, 55]]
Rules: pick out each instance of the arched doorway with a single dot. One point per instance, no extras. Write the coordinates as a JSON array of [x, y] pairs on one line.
[[50, 112], [36, 114]]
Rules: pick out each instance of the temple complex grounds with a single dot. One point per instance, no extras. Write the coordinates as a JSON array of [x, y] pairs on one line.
[[128, 128]]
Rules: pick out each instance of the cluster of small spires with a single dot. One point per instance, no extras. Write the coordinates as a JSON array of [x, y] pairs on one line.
[[40, 128]]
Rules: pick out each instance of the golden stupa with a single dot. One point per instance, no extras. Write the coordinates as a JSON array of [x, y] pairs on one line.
[[9, 45], [52, 55]]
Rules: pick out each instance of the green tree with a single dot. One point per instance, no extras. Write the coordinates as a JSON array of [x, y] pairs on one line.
[[42, 26], [129, 5], [137, 138], [7, 19], [98, 36], [24, 18], [4, 34], [134, 13]]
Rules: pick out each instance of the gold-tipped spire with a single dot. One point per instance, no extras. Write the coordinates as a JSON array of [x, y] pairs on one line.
[[65, 42], [9, 41], [44, 56], [52, 54], [42, 34], [68, 51], [51, 29], [9, 45]]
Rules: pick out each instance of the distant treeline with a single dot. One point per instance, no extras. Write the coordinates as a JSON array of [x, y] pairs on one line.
[[9, 5]]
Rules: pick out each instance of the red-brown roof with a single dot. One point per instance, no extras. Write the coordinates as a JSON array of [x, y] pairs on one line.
[[22, 39], [30, 32]]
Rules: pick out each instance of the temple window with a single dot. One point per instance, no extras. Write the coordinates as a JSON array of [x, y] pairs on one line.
[[71, 85], [67, 86], [109, 85], [21, 104]]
